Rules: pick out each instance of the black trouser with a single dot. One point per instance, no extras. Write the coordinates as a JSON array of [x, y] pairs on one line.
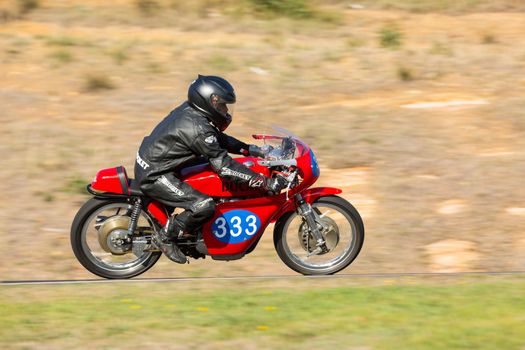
[[171, 191]]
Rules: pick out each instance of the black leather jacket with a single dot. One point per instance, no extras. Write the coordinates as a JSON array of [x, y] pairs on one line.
[[182, 137]]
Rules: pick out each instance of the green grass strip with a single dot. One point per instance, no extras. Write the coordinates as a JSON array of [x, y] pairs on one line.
[[487, 314]]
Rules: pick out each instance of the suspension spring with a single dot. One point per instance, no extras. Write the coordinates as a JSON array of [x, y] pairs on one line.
[[135, 212]]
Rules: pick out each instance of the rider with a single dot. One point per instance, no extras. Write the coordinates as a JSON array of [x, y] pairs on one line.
[[192, 130]]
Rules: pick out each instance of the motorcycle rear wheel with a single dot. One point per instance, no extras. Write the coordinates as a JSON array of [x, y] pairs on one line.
[[95, 257], [344, 238]]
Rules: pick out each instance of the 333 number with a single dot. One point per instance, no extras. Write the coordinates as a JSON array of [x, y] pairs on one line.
[[235, 227]]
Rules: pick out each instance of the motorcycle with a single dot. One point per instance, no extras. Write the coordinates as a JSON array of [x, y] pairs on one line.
[[316, 232]]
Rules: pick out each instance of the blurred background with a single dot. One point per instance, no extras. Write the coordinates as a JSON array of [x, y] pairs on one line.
[[414, 108]]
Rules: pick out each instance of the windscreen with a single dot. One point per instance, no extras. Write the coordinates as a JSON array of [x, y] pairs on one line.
[[283, 143]]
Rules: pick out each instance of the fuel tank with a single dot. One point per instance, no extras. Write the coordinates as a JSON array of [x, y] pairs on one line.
[[202, 178]]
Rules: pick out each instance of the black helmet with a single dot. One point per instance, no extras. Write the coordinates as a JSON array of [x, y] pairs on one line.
[[211, 95]]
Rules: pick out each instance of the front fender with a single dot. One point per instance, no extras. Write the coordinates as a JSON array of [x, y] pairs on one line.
[[310, 195]]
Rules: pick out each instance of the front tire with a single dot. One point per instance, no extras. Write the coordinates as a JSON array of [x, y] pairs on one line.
[[346, 236], [94, 256]]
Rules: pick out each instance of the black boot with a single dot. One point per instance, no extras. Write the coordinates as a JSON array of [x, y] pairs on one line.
[[164, 242], [201, 246]]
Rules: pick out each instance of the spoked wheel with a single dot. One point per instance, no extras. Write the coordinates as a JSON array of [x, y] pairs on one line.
[[102, 244], [342, 229]]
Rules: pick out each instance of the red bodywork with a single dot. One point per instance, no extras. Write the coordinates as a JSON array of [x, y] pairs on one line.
[[237, 224], [112, 180], [203, 178]]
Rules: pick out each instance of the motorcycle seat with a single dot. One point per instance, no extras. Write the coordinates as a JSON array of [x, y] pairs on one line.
[[134, 188]]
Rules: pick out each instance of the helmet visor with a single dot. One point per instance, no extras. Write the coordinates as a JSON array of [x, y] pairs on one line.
[[222, 106]]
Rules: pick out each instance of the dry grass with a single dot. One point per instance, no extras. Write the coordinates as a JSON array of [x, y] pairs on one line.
[[14, 9], [445, 6], [332, 83]]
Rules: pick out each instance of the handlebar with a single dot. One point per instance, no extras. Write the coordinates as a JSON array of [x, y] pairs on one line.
[[283, 162]]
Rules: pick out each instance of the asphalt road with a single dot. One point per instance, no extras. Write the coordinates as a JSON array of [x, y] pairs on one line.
[[248, 278]]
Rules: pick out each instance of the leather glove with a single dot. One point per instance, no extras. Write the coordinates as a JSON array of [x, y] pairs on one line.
[[275, 184], [260, 152]]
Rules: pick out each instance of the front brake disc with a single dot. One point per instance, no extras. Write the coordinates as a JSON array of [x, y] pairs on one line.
[[330, 234]]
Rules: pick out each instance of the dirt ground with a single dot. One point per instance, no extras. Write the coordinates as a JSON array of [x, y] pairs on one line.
[[418, 117]]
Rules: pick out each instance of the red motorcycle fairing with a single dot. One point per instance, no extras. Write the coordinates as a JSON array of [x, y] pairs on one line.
[[237, 225], [202, 178], [241, 233]]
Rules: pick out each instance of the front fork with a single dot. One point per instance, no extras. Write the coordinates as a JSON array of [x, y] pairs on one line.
[[313, 220]]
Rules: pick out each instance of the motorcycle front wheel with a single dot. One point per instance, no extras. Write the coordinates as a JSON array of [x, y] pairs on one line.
[[102, 244], [342, 228]]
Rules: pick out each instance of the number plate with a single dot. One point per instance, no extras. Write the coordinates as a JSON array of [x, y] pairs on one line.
[[235, 226]]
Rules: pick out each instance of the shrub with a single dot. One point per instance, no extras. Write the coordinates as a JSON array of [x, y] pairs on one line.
[[390, 37], [119, 55], [97, 82], [147, 7], [27, 5], [46, 196], [488, 39], [62, 41], [299, 9], [62, 56], [405, 74], [155, 67], [76, 185]]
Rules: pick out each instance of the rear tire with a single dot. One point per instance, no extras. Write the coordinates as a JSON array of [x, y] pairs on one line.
[[85, 256], [284, 239]]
